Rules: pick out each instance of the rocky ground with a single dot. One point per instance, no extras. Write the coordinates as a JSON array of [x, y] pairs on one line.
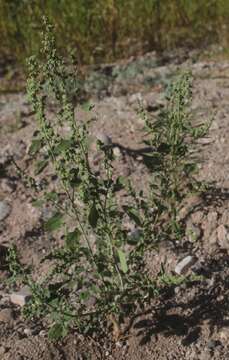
[[188, 322]]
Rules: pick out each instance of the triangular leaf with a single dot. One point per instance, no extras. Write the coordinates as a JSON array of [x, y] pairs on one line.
[[35, 146], [133, 215], [57, 331], [72, 239], [63, 145], [51, 196], [54, 222], [87, 106], [40, 166]]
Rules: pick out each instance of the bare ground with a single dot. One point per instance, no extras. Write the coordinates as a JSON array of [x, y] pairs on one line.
[[185, 322]]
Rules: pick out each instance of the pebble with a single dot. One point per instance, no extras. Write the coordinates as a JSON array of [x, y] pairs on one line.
[[6, 316], [191, 203], [117, 152], [134, 234], [224, 334], [2, 350], [21, 297], [212, 344], [205, 140], [223, 236], [28, 332], [42, 333], [183, 266], [106, 140], [4, 210]]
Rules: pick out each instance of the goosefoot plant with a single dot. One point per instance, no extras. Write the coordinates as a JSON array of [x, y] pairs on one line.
[[173, 161], [96, 275]]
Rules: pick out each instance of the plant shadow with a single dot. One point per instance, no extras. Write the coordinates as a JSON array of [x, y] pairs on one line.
[[184, 315]]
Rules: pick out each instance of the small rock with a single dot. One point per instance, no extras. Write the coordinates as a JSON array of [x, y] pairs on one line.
[[183, 266], [42, 333], [21, 297], [106, 140], [2, 350], [117, 152], [28, 332], [224, 334], [177, 290], [4, 210], [223, 236], [190, 205], [205, 140], [212, 344], [134, 235], [210, 282], [6, 316]]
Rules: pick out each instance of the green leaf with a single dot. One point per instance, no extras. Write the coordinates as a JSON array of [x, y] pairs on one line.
[[122, 259], [57, 331], [84, 295], [87, 106], [93, 216], [63, 145], [35, 146], [40, 166], [133, 215], [120, 183], [85, 251], [51, 196], [54, 222], [74, 177], [190, 168], [38, 203], [72, 239]]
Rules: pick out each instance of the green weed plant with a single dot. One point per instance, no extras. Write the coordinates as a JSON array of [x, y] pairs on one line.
[[173, 161], [99, 274], [95, 263]]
